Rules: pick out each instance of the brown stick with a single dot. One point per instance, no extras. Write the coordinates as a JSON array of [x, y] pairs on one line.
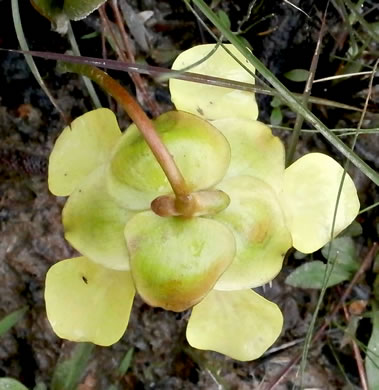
[[125, 53], [357, 355], [307, 92]]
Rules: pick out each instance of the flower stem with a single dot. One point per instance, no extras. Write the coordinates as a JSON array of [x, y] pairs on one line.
[[141, 120]]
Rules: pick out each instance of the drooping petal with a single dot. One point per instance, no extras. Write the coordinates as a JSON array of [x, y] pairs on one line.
[[212, 102], [257, 221], [240, 324], [255, 150], [81, 147], [87, 302], [200, 151], [176, 261], [94, 223], [309, 199]]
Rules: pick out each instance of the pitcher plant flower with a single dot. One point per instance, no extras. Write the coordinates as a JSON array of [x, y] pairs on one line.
[[206, 249]]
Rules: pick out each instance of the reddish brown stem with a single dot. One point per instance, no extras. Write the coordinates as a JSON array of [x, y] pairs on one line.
[[138, 116]]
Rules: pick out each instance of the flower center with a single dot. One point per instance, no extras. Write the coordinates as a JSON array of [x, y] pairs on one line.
[[196, 204]]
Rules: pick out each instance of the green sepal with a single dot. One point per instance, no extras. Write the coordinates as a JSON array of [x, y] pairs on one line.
[[200, 151]]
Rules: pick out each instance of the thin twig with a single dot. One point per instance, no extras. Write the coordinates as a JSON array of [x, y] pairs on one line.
[[357, 355], [126, 55], [307, 91], [342, 76], [376, 204], [104, 54], [164, 73]]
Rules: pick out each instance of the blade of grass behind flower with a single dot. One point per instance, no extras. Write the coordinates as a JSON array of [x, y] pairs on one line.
[[290, 99], [68, 373], [87, 82], [29, 59], [11, 319], [330, 260], [123, 368]]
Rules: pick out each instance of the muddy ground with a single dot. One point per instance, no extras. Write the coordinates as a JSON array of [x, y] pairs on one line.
[[30, 222]]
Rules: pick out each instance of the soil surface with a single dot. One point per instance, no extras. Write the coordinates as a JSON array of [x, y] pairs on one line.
[[31, 232]]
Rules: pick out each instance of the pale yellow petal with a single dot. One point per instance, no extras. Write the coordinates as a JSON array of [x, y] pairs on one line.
[[212, 102], [240, 324], [309, 199], [175, 261], [94, 223], [83, 146], [87, 302], [257, 221], [255, 150]]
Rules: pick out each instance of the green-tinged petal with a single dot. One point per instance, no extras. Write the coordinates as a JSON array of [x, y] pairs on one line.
[[255, 151], [257, 221], [94, 223], [87, 302], [240, 324], [176, 261], [201, 152], [212, 102], [82, 147], [310, 192]]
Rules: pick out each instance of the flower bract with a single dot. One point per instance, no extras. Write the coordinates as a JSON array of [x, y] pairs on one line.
[[208, 262]]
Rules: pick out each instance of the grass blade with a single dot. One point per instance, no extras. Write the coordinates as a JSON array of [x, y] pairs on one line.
[[29, 59], [87, 82], [290, 99], [11, 319], [68, 373], [11, 384], [125, 363]]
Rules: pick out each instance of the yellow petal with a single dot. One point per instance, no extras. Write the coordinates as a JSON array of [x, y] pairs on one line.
[[94, 223], [87, 302], [212, 102], [176, 261], [310, 192], [200, 151], [257, 221], [81, 147], [240, 324], [255, 151]]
